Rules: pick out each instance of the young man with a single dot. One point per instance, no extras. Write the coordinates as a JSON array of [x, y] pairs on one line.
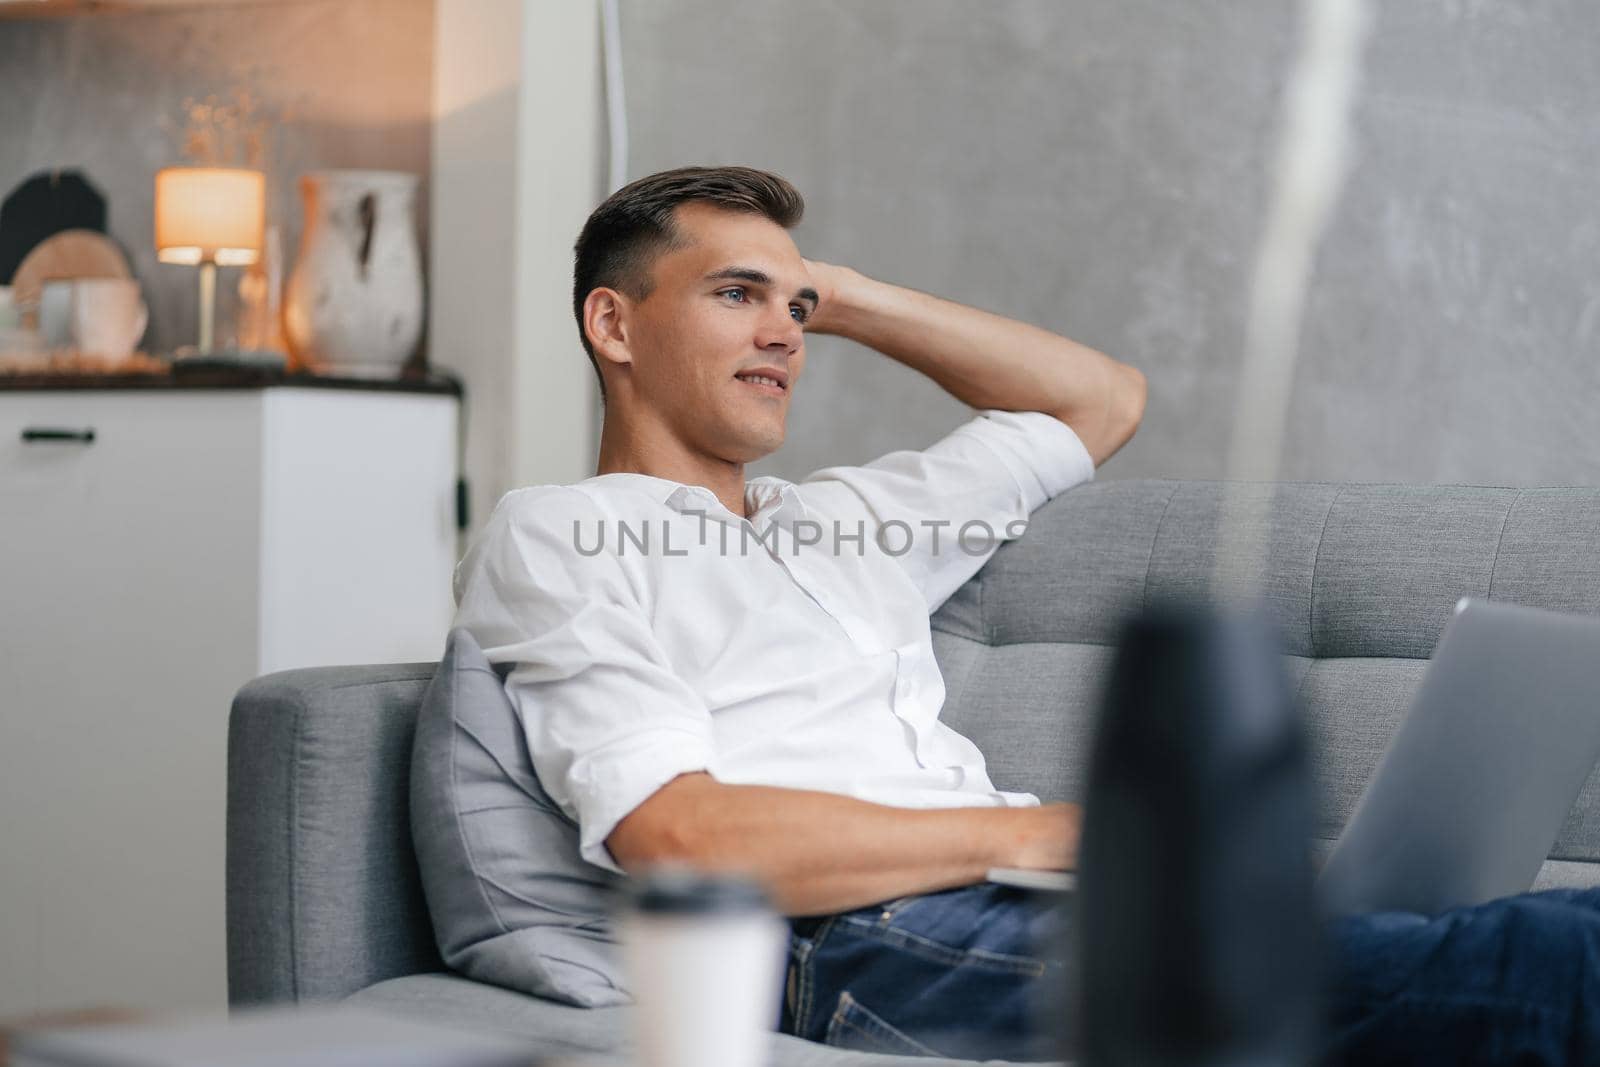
[[738, 674]]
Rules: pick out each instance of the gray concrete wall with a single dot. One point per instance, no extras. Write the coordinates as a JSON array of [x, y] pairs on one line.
[[350, 81], [1096, 166]]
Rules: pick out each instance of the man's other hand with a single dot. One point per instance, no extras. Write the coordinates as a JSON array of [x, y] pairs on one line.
[[820, 853], [1046, 837]]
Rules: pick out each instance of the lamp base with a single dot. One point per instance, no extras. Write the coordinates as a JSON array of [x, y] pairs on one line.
[[190, 359]]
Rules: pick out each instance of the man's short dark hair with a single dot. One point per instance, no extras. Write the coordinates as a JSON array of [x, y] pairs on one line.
[[624, 235]]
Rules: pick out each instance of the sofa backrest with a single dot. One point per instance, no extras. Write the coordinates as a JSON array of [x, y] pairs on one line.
[[1360, 581], [323, 892]]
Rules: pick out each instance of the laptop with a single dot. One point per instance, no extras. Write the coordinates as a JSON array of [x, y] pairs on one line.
[[1468, 798], [1028, 878]]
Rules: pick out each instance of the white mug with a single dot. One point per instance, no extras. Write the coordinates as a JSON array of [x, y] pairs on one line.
[[108, 318], [704, 958], [55, 313]]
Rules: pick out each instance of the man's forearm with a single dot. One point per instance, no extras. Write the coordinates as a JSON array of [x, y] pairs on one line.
[[987, 360], [819, 853]]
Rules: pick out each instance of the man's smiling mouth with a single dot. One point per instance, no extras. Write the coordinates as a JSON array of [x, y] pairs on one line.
[[772, 382]]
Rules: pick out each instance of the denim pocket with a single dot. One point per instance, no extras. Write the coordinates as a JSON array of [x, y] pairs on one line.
[[854, 1027], [889, 909]]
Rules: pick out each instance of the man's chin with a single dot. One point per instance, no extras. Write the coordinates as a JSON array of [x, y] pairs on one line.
[[754, 446], [761, 453]]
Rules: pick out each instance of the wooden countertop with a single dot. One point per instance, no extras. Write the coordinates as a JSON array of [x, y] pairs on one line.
[[230, 378]]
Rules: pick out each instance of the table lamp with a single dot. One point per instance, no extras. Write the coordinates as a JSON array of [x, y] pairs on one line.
[[206, 217]]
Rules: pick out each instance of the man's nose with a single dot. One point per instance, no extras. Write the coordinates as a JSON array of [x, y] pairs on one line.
[[779, 330]]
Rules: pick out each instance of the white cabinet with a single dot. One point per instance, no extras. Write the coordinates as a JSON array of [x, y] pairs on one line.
[[203, 537]]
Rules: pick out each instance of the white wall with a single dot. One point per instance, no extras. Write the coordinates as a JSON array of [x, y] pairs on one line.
[[561, 178], [516, 169]]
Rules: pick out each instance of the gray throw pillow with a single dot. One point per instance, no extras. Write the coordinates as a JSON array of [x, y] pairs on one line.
[[513, 903]]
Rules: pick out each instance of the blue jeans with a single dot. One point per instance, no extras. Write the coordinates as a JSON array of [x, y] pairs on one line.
[[977, 973], [1514, 981], [967, 973]]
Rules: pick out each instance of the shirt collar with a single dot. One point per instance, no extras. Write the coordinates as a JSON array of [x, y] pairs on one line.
[[768, 499]]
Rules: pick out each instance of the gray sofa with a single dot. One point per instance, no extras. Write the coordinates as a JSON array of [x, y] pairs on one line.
[[324, 901]]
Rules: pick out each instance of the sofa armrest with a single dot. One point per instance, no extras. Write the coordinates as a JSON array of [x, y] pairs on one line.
[[323, 894]]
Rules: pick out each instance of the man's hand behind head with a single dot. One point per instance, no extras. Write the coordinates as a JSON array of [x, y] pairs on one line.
[[833, 285]]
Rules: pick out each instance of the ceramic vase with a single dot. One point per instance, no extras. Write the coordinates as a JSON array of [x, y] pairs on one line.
[[354, 301]]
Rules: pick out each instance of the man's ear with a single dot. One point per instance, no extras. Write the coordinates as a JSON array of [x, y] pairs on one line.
[[605, 321]]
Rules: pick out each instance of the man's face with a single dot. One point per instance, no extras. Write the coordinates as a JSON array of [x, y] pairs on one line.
[[725, 307]]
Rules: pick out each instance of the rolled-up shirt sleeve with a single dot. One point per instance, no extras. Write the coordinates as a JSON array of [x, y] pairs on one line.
[[985, 478], [607, 720]]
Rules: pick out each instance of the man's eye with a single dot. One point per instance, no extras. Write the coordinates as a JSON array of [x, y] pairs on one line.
[[799, 314], [734, 292]]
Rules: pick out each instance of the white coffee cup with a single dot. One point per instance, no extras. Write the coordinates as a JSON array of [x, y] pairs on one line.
[[108, 317], [704, 957], [55, 312]]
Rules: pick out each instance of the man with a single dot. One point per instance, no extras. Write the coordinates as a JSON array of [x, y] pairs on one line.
[[767, 706], [738, 674]]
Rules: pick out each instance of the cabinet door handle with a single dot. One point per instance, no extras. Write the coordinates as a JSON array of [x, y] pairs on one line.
[[41, 433]]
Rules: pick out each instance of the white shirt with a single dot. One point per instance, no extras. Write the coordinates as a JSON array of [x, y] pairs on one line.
[[650, 632]]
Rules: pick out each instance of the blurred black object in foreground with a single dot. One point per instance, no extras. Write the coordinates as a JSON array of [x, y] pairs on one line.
[[1195, 918]]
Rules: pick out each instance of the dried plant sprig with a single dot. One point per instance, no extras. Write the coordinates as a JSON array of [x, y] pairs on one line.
[[228, 132]]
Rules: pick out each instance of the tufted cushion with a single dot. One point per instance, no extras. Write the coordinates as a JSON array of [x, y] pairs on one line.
[[511, 900]]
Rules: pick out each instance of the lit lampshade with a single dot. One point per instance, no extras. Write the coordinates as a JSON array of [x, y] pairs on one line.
[[209, 215]]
